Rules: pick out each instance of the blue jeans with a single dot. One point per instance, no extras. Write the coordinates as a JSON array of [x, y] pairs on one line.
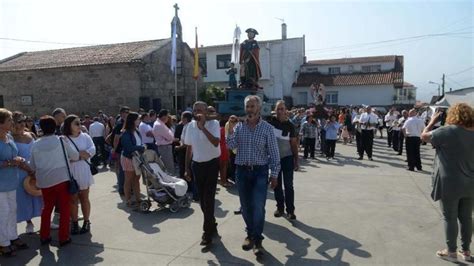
[[252, 185], [120, 176], [285, 177]]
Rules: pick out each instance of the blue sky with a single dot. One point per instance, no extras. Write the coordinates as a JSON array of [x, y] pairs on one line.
[[326, 24]]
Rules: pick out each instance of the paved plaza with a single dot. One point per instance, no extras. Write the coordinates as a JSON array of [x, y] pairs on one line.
[[349, 212]]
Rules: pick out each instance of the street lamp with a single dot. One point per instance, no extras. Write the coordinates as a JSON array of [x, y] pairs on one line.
[[439, 86]]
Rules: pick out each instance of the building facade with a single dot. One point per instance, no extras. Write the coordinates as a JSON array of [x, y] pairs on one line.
[[84, 80], [280, 62], [374, 80]]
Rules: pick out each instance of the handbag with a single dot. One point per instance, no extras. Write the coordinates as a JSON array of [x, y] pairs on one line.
[[93, 168], [73, 186]]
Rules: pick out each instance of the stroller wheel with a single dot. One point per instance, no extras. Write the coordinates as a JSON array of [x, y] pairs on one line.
[[174, 207], [145, 206], [185, 202]]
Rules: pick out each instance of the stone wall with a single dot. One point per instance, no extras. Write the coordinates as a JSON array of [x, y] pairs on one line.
[[79, 90], [157, 79], [87, 89]]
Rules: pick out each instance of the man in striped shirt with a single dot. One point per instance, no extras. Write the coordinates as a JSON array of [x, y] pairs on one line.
[[257, 152]]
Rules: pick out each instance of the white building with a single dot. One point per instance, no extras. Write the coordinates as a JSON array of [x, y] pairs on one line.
[[280, 61], [465, 95], [376, 80]]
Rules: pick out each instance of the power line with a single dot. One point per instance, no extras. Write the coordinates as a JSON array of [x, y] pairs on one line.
[[455, 82], [462, 71], [398, 39], [45, 42]]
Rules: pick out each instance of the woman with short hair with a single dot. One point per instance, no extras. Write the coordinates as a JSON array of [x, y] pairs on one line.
[[81, 171], [453, 175], [50, 156], [10, 163]]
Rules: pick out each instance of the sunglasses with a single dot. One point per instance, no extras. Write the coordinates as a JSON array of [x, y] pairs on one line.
[[76, 123]]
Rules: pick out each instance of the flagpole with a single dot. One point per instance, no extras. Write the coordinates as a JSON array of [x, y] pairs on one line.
[[176, 91], [196, 89]]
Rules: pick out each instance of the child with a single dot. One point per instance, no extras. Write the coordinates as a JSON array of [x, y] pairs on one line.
[[345, 135]]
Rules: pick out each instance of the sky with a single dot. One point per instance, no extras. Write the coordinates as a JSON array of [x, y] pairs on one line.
[[435, 37]]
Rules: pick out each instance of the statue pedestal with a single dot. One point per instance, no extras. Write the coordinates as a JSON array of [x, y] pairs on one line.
[[234, 102]]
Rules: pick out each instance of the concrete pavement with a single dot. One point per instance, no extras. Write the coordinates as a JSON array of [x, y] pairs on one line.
[[349, 212]]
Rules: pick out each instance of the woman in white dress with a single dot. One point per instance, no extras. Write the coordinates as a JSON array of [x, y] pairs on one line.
[[80, 170]]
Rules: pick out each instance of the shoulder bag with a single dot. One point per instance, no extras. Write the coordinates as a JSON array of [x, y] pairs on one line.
[[73, 186], [93, 168]]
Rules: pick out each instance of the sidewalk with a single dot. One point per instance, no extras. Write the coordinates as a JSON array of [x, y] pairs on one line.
[[349, 212]]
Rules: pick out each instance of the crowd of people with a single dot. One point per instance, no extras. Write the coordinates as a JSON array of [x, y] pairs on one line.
[[60, 154]]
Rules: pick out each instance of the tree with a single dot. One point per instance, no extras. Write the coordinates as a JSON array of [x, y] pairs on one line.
[[212, 94]]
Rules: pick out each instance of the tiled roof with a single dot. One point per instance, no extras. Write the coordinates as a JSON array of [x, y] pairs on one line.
[[81, 56], [380, 78], [354, 60]]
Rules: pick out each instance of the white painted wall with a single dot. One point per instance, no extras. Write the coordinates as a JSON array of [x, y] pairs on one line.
[[324, 69], [355, 95], [279, 60]]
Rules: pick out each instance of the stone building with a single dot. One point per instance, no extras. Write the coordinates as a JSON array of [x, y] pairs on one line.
[[84, 80]]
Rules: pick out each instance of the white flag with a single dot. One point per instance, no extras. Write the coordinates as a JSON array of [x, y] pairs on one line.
[[236, 46], [173, 46]]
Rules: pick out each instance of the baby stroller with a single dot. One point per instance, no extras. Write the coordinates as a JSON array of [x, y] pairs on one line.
[[162, 187]]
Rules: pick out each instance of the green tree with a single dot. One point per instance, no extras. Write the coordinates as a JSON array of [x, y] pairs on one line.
[[211, 94]]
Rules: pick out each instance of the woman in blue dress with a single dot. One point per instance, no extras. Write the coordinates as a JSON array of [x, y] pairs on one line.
[[28, 206]]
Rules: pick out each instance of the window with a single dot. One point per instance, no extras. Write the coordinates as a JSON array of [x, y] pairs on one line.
[[351, 68], [331, 97], [1, 102], [334, 70], [203, 64], [223, 61], [311, 69], [372, 68], [303, 97]]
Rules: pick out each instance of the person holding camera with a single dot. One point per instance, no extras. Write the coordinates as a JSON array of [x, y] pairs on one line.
[[412, 129], [453, 175], [202, 140]]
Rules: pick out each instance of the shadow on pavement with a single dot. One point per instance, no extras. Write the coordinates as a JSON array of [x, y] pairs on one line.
[[300, 246], [80, 251], [146, 221], [223, 256]]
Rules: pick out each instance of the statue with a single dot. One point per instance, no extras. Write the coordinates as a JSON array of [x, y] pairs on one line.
[[319, 93], [249, 61], [232, 71]]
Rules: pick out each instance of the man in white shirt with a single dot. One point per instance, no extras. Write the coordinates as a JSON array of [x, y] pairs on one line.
[[412, 129], [146, 131], [97, 133], [202, 139], [358, 132], [401, 136], [368, 122], [390, 117]]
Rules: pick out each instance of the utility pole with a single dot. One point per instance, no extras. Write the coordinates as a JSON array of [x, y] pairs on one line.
[[443, 85]]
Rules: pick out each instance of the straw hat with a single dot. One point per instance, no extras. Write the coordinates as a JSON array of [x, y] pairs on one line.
[[30, 186]]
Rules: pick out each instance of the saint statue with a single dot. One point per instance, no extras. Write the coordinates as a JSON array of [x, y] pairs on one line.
[[232, 71], [249, 61]]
